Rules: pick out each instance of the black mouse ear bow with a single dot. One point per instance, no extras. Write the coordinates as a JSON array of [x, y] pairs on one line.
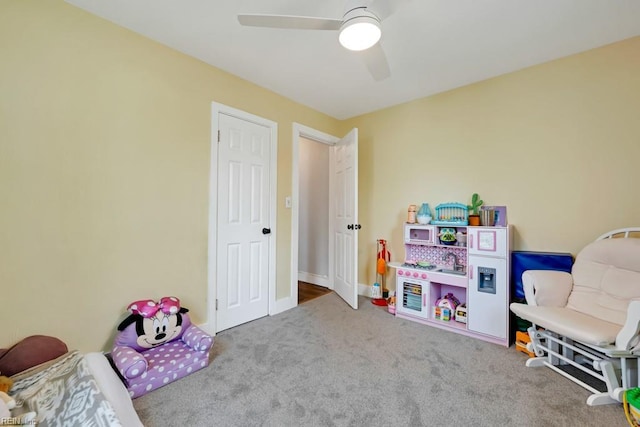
[[126, 322]]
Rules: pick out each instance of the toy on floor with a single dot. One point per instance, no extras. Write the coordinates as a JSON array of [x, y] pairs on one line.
[[383, 257], [158, 344], [522, 339], [631, 404], [7, 403], [391, 304]]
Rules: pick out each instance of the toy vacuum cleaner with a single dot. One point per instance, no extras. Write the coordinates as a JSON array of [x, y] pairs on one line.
[[383, 257]]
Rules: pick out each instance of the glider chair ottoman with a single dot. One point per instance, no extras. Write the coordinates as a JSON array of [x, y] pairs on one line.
[[586, 323], [157, 344]]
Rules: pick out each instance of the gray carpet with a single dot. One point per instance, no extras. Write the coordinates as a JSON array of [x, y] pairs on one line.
[[325, 364]]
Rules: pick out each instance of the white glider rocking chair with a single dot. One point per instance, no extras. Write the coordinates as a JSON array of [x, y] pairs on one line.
[[586, 324]]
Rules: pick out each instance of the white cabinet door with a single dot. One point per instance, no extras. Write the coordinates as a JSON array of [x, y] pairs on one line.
[[487, 304], [412, 295], [487, 241]]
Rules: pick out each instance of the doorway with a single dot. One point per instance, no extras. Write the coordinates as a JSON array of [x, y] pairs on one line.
[[313, 219], [331, 263], [313, 212]]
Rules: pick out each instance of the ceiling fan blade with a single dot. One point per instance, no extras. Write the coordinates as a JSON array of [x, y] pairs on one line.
[[291, 22], [385, 8], [376, 61]]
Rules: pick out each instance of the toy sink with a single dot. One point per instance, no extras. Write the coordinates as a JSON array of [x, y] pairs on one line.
[[449, 271]]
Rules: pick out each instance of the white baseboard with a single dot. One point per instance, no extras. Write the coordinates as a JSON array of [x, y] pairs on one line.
[[282, 305], [207, 328], [365, 290], [314, 279]]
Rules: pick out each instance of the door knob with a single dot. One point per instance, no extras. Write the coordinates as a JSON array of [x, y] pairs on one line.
[[266, 231], [358, 226], [350, 227]]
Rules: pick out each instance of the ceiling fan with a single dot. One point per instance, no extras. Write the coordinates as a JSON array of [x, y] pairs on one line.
[[360, 29]]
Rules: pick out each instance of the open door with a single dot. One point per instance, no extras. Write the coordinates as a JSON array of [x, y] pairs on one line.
[[345, 224]]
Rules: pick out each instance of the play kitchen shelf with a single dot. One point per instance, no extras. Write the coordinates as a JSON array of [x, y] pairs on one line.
[[456, 278]]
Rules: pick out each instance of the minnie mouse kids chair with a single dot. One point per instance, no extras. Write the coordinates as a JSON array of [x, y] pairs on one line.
[[157, 344]]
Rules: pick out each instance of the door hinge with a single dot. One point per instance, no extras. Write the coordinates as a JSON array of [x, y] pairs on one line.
[[216, 304], [218, 136]]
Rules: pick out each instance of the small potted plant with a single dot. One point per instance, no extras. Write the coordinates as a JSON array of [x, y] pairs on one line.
[[474, 214]]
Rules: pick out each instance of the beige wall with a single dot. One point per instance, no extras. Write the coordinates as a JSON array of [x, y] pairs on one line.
[[104, 163], [558, 144], [104, 170]]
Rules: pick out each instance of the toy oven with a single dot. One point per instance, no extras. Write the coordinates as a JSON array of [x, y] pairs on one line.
[[412, 296]]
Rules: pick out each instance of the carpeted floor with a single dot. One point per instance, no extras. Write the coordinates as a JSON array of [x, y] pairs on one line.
[[325, 364]]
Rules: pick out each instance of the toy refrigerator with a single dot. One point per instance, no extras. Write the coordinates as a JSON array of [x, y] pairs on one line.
[[488, 291]]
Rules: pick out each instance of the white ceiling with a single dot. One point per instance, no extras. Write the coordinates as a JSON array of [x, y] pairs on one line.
[[431, 45]]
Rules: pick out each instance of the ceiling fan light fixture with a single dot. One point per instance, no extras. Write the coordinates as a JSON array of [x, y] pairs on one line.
[[360, 33]]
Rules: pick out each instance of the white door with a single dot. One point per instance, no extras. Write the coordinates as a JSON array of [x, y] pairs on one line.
[[243, 221], [345, 185]]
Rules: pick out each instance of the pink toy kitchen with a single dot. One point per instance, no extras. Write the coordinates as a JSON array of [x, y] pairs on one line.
[[455, 276]]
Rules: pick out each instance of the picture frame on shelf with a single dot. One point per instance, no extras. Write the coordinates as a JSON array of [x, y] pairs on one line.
[[501, 216]]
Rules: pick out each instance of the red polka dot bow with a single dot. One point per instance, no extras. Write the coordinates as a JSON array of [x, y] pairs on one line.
[[149, 308]]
